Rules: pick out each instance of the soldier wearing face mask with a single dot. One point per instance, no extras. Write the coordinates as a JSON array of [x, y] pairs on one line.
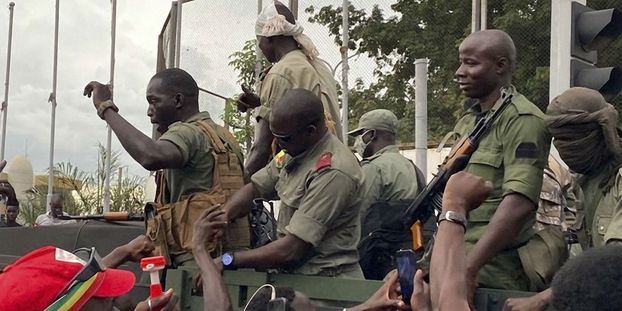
[[391, 183]]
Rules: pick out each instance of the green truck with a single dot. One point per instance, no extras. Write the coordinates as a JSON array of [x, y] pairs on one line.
[[105, 236]]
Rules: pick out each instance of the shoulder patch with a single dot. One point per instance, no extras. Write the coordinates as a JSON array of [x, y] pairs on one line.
[[279, 159], [526, 151], [324, 161]]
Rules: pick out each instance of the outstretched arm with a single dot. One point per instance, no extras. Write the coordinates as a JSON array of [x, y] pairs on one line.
[[152, 155], [278, 254], [135, 250], [463, 193]]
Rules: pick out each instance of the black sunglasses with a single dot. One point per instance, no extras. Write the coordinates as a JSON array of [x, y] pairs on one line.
[[289, 137], [94, 265]]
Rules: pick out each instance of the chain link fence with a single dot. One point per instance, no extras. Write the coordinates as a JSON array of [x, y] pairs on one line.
[[386, 36]]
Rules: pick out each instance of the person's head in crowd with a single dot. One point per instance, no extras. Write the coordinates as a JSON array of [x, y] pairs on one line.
[[53, 278], [297, 121], [12, 211], [295, 300], [56, 205], [584, 128], [277, 33], [173, 95], [487, 61], [376, 130], [7, 190], [590, 281]]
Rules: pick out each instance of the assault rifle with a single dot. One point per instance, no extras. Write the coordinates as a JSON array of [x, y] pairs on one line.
[[108, 216], [431, 197]]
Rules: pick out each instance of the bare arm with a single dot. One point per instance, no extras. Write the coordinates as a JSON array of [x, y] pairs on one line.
[[152, 155], [138, 248], [261, 150], [277, 254], [448, 268], [464, 192], [206, 230], [502, 230], [240, 203]]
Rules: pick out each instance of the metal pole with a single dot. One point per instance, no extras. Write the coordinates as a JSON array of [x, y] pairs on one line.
[[344, 70], [178, 36], [561, 41], [120, 179], [293, 6], [108, 176], [421, 115], [258, 51], [5, 103], [475, 16], [52, 99], [484, 14]]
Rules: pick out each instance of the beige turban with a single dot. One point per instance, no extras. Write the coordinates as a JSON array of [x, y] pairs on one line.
[[271, 23]]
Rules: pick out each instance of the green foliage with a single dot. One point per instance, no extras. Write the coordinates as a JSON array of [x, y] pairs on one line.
[[243, 62], [83, 191], [433, 29]]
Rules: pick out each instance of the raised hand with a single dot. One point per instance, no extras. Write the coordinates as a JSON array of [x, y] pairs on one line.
[[247, 99], [209, 228], [98, 92], [465, 192]]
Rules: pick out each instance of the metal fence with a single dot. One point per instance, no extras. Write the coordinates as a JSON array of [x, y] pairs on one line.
[[386, 36]]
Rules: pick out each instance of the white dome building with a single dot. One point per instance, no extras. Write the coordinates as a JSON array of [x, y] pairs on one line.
[[20, 175]]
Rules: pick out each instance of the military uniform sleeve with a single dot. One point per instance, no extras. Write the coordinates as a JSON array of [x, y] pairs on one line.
[[265, 181], [614, 230], [327, 198], [526, 148], [372, 185], [188, 139], [273, 88]]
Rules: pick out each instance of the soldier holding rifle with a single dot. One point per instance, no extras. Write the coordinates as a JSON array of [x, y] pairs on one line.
[[511, 156]]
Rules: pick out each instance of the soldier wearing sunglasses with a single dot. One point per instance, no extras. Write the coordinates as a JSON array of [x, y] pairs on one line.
[[317, 179]]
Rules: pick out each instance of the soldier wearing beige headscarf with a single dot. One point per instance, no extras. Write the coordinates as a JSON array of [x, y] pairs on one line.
[[296, 65]]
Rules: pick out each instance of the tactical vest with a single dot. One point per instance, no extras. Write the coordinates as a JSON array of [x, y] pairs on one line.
[[171, 227]]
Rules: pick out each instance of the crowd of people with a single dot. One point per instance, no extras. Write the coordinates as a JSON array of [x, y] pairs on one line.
[[510, 220]]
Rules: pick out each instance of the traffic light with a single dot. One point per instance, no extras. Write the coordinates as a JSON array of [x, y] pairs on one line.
[[593, 30]]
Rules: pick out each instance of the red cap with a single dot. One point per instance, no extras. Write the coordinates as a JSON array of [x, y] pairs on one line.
[[37, 278]]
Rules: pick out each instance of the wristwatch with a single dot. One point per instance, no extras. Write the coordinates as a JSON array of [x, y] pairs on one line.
[[105, 105], [227, 260], [454, 217]]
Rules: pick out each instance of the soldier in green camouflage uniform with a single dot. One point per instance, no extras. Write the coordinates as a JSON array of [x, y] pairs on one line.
[[552, 206], [318, 181]]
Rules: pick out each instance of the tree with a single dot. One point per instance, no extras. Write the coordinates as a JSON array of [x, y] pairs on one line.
[[434, 29], [83, 191], [243, 61]]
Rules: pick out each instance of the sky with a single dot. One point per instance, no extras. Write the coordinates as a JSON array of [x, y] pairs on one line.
[[211, 31]]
